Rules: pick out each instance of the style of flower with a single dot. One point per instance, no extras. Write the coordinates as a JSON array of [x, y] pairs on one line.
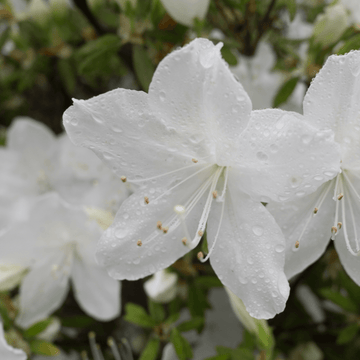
[[8, 352], [331, 102], [194, 145], [57, 243]]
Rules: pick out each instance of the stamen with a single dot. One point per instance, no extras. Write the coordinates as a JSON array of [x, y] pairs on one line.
[[123, 178], [200, 255], [221, 198], [217, 233], [206, 211], [180, 210], [340, 196], [84, 355], [184, 240], [297, 244], [94, 348], [215, 194], [351, 185], [339, 225], [182, 181], [114, 348], [159, 225], [146, 200], [165, 229], [334, 230], [336, 187], [316, 210], [347, 240], [168, 173], [194, 160], [139, 243]]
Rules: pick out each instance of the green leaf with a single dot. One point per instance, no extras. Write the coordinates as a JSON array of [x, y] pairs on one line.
[[143, 65], [197, 302], [157, 311], [208, 281], [195, 323], [68, 75], [45, 348], [151, 350], [136, 314], [345, 303], [4, 36], [285, 91], [220, 357], [81, 321], [181, 345], [37, 328], [351, 44], [229, 56], [346, 335], [266, 340], [235, 354]]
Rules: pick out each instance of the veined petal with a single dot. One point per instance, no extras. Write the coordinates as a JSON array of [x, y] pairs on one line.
[[249, 255], [331, 102], [281, 157], [95, 291], [146, 238], [298, 223], [8, 352], [195, 93], [185, 11], [44, 288], [121, 129]]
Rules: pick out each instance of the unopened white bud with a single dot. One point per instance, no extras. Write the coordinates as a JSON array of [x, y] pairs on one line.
[[162, 287]]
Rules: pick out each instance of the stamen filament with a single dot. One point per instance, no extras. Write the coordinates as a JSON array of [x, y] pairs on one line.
[[222, 196], [351, 185], [336, 198], [217, 234], [347, 241], [94, 348], [194, 164], [182, 181], [114, 348]]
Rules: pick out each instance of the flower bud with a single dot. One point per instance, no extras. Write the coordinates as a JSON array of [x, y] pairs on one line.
[[162, 287], [11, 275], [330, 25], [185, 11]]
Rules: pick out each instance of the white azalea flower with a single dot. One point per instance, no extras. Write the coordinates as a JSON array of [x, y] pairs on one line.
[[194, 145], [162, 287], [8, 352], [185, 11], [332, 102], [57, 243], [353, 7], [35, 162]]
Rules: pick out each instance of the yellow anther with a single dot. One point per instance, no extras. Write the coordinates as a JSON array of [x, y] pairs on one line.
[[200, 255], [159, 225], [146, 200], [214, 194], [339, 225], [340, 196], [316, 210], [139, 243], [297, 244], [194, 160], [165, 229], [200, 233], [123, 178], [184, 240], [334, 229]]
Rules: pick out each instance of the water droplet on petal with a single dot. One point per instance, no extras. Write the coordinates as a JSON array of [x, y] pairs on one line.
[[162, 95], [279, 248], [120, 233], [258, 230], [261, 156]]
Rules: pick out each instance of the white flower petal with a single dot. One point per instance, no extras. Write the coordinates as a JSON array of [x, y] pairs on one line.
[[331, 102], [293, 218], [7, 352], [95, 291], [185, 11], [281, 157], [162, 286], [119, 250], [207, 105], [44, 288], [121, 129], [249, 255]]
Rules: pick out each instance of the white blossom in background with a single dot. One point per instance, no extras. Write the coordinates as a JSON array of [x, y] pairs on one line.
[[7, 352], [331, 103], [353, 7], [201, 157], [261, 83], [185, 11], [330, 25], [57, 244], [162, 287]]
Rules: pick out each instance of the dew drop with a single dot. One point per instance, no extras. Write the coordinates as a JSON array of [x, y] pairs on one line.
[[279, 248], [318, 177], [120, 233], [74, 121], [258, 230], [162, 95], [261, 156]]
